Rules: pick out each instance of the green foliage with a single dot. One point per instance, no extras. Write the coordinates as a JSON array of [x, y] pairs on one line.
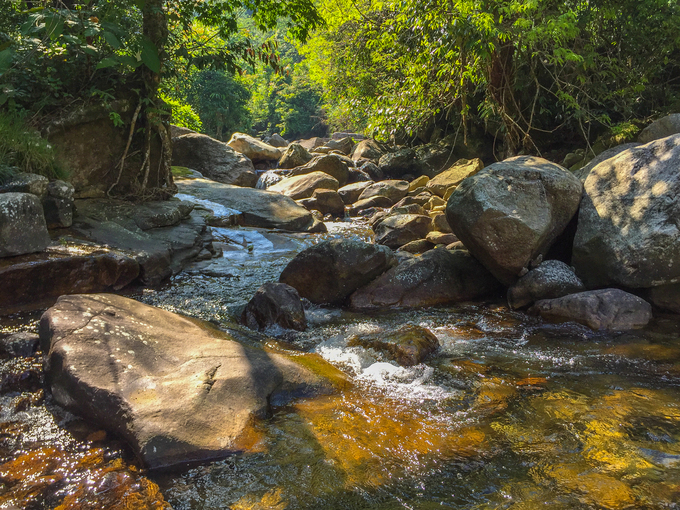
[[183, 114], [526, 70], [22, 148]]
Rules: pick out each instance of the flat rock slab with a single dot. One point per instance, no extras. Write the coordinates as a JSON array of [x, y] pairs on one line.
[[174, 388], [259, 208], [33, 282]]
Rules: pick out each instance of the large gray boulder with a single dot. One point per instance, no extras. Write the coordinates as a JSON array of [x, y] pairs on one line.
[[628, 231], [605, 309], [437, 277], [583, 172], [329, 272], [396, 164], [295, 155], [254, 149], [304, 186], [214, 159], [512, 211], [22, 225], [551, 279], [256, 208], [176, 389], [662, 128], [330, 164]]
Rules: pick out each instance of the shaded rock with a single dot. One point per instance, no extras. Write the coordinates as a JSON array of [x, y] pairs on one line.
[[351, 192], [408, 346], [329, 164], [416, 247], [160, 252], [22, 225], [440, 224], [453, 176], [356, 175], [275, 304], [605, 309], [368, 149], [303, 186], [420, 200], [398, 163], [26, 183], [551, 279], [258, 208], [433, 159], [512, 211], [214, 159], [666, 126], [295, 155], [161, 214], [176, 389], [666, 297], [254, 149], [438, 276], [583, 172], [366, 204], [392, 189], [441, 238], [276, 140], [325, 201], [397, 230], [329, 272], [33, 282], [627, 231], [19, 345], [58, 204], [373, 171], [339, 135]]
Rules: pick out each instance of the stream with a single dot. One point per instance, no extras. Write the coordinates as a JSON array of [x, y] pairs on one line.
[[512, 413]]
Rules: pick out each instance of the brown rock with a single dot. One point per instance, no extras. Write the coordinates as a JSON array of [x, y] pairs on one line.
[[275, 304], [303, 186], [408, 346], [396, 230]]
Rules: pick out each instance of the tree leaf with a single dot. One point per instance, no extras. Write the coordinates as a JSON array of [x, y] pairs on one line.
[[112, 40], [150, 56], [107, 62]]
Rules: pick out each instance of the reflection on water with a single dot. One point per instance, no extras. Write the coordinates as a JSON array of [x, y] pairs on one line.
[[512, 413]]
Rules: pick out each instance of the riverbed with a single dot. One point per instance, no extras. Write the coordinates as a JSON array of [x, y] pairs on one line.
[[512, 413]]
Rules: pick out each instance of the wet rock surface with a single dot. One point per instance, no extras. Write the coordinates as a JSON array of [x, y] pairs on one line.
[[257, 208], [408, 346], [438, 276], [130, 368], [551, 279], [512, 211], [606, 309], [329, 272]]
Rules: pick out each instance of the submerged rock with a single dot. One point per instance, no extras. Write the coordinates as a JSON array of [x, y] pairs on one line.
[[329, 272], [408, 346], [176, 389], [551, 279], [512, 211], [438, 276], [275, 304], [22, 225], [605, 309], [628, 231]]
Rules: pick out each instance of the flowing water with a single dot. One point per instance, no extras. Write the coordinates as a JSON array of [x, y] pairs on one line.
[[512, 413]]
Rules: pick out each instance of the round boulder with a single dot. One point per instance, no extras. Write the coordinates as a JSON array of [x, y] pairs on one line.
[[551, 279], [275, 304], [512, 211], [303, 186]]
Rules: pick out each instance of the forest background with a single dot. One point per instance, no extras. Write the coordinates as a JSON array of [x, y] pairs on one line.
[[529, 74]]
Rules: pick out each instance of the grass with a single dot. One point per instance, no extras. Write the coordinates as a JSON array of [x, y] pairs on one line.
[[22, 149]]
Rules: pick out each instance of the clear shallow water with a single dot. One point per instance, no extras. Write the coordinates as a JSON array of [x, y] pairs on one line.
[[512, 413]]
